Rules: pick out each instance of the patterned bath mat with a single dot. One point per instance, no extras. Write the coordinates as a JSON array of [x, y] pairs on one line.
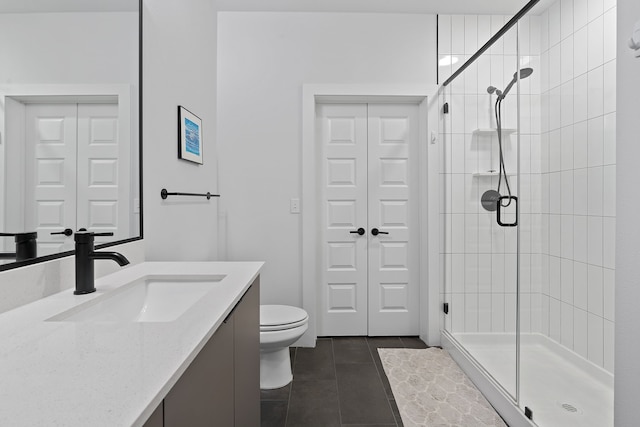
[[431, 390]]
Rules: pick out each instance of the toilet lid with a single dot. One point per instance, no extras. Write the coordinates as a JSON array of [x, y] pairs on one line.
[[278, 317]]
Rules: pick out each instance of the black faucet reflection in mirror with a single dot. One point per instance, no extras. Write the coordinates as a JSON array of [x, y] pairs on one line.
[[86, 255], [26, 246]]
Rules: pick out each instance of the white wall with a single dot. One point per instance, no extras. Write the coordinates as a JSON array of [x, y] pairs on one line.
[[263, 61], [86, 48], [627, 345], [179, 67]]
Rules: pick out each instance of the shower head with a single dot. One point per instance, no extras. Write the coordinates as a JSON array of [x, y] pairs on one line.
[[524, 73], [491, 89]]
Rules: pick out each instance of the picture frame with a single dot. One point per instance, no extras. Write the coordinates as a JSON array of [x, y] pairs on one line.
[[190, 142]]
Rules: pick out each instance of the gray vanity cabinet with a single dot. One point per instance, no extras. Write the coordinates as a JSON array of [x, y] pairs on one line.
[[221, 387]]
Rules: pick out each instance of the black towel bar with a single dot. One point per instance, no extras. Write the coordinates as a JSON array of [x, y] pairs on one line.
[[164, 194]]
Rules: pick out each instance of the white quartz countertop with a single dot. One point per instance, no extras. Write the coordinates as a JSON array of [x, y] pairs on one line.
[[61, 373]]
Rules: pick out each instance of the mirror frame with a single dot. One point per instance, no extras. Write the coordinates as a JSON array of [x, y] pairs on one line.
[[18, 264]]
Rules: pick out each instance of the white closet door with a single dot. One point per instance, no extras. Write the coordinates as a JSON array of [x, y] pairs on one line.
[[103, 180], [50, 172], [393, 209], [343, 181]]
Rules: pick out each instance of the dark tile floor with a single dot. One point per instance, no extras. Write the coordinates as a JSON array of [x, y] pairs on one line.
[[339, 383]]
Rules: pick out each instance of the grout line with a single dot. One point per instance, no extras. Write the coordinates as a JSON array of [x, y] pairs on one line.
[[335, 373]]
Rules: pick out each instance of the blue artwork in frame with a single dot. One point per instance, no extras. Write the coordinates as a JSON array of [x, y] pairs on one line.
[[189, 136]]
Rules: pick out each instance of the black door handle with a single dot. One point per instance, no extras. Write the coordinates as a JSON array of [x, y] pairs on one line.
[[66, 232], [359, 231], [375, 232]]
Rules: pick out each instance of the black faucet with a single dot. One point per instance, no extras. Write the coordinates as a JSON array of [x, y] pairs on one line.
[[26, 246], [86, 255]]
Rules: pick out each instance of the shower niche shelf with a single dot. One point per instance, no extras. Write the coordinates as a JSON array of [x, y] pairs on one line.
[[492, 131], [490, 173]]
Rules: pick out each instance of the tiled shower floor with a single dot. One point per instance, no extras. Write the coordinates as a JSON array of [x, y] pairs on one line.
[[339, 383]]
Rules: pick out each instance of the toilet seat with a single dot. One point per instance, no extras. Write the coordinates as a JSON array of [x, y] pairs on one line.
[[281, 317]]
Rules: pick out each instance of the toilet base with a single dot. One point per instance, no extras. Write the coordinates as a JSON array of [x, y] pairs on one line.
[[275, 368]]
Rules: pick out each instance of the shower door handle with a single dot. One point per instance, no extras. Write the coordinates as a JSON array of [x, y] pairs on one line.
[[507, 224]]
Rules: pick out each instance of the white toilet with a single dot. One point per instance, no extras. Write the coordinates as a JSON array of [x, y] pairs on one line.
[[280, 326]]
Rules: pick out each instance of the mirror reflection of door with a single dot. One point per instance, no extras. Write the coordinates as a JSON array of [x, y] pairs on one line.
[[72, 172]]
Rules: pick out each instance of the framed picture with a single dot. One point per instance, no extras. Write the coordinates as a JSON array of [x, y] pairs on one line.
[[189, 136]]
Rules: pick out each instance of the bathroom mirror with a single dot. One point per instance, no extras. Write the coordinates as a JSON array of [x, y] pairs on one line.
[[70, 128]]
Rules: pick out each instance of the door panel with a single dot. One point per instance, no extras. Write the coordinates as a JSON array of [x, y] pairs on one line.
[[393, 197], [369, 178], [50, 172], [343, 299], [103, 204]]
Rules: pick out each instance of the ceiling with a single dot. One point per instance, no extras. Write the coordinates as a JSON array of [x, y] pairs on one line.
[[481, 7]]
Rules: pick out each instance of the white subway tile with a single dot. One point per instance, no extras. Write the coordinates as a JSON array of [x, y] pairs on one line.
[[471, 107], [580, 145], [580, 285], [566, 324], [566, 60], [566, 192], [581, 189], [444, 34], [510, 312], [609, 208], [457, 312], [596, 141], [580, 13], [580, 238], [484, 29], [566, 280], [595, 101], [555, 66], [555, 193], [471, 234], [484, 232], [554, 24], [525, 273], [566, 137], [609, 297], [610, 32], [497, 273], [471, 273], [544, 153], [536, 313], [581, 97], [545, 284], [609, 90], [566, 235], [484, 273], [555, 290], [596, 195], [510, 41], [580, 332], [457, 233], [457, 273], [484, 313], [555, 150], [595, 283], [595, 8], [610, 139], [510, 273], [497, 312], [594, 240], [470, 34], [534, 35], [566, 18], [525, 313], [596, 339], [609, 346], [457, 193], [595, 29], [544, 31], [497, 21], [566, 104], [608, 4], [457, 34], [546, 315], [609, 242], [580, 51], [524, 31], [536, 154]]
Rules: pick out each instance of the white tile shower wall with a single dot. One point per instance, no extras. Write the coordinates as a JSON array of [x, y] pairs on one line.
[[578, 52], [478, 256]]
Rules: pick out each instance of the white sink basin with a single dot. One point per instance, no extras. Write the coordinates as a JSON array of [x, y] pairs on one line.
[[150, 299]]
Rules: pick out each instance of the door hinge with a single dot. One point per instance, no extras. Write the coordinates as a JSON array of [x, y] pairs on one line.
[[528, 413], [445, 308]]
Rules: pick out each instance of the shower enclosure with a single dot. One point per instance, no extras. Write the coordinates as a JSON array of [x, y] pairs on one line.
[[527, 212]]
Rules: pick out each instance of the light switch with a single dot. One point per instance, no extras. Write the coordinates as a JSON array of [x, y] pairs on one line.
[[294, 206]]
